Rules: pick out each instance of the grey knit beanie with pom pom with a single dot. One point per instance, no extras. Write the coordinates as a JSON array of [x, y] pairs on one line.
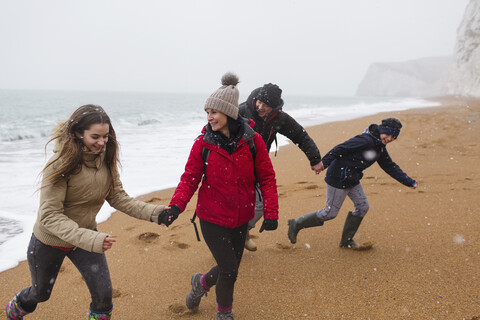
[[225, 98]]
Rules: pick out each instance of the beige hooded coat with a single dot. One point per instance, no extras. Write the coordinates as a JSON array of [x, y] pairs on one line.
[[66, 217]]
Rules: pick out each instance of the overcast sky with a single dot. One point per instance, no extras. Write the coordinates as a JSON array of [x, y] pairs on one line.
[[314, 47]]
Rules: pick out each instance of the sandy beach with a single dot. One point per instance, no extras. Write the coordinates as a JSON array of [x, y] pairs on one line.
[[425, 263]]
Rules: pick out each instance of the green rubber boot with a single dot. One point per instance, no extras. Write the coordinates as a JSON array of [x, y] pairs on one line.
[[349, 229], [306, 221]]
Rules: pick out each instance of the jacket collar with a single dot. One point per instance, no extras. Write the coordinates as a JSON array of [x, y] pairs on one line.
[[91, 159], [248, 132]]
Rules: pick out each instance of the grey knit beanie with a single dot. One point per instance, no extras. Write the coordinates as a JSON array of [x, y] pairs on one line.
[[225, 99]]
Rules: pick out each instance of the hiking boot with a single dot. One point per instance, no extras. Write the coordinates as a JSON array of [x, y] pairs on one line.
[[197, 292], [250, 245], [225, 315], [14, 311]]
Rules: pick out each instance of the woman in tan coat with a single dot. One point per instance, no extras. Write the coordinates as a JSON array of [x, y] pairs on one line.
[[77, 180]]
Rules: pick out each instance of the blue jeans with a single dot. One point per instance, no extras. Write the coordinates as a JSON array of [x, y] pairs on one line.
[[45, 261]]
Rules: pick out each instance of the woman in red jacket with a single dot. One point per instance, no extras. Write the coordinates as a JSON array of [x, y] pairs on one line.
[[226, 198]]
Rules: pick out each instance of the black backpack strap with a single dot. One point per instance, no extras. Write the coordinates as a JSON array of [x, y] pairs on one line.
[[253, 149], [276, 146], [205, 154], [195, 225]]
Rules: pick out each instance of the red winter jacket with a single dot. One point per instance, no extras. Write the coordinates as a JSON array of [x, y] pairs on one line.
[[227, 194]]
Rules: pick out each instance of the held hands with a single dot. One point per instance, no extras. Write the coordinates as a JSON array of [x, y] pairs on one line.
[[269, 225], [318, 167], [167, 216]]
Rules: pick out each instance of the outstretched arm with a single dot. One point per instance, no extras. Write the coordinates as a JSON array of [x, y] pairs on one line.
[[290, 128]]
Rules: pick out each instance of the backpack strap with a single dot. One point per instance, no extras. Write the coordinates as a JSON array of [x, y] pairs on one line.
[[205, 154], [195, 225]]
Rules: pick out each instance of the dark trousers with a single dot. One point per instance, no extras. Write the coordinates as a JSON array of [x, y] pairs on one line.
[[45, 262], [226, 246]]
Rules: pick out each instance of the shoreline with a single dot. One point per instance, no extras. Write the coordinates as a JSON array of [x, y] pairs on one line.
[[424, 263]]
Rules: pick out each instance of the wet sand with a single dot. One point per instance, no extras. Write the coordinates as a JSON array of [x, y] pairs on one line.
[[425, 263]]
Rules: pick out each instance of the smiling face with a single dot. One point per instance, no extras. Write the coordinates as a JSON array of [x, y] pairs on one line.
[[96, 137], [386, 138], [263, 109], [218, 121]]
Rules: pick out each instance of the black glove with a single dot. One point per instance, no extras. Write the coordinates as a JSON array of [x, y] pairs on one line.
[[167, 216], [269, 224]]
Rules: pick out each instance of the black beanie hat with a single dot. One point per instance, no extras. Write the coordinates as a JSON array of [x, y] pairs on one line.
[[390, 126], [270, 94]]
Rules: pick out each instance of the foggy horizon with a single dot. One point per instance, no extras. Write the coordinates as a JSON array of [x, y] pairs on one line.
[[312, 48]]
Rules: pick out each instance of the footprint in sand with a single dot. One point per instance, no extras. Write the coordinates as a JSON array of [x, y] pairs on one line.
[[148, 237], [180, 245], [282, 246], [180, 310], [117, 293], [314, 186]]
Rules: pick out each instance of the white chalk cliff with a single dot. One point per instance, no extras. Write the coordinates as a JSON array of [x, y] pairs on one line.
[[465, 76], [434, 76], [420, 78]]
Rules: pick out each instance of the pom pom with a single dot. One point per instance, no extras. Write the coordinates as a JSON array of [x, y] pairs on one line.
[[229, 79]]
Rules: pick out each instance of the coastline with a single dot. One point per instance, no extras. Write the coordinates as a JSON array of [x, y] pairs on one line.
[[424, 263]]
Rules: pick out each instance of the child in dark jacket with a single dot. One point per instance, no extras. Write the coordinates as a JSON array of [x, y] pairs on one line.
[[345, 163]]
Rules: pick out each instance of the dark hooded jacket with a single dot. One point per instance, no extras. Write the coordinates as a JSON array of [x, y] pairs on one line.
[[346, 161], [281, 122]]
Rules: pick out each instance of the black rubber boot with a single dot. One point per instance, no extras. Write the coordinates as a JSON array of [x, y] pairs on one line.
[[349, 229], [306, 221]]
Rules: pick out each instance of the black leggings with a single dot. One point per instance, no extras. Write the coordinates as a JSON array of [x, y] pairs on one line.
[[45, 262], [226, 246]]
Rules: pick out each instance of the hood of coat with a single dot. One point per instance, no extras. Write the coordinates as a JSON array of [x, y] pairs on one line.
[[372, 130]]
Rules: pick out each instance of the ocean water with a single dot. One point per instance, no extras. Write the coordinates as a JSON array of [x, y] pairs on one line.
[[155, 132]]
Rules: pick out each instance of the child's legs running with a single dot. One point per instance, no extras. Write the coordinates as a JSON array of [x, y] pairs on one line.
[[360, 201], [44, 263], [335, 199], [94, 269]]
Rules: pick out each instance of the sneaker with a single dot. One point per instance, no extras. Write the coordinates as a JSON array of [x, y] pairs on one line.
[[197, 292], [225, 316]]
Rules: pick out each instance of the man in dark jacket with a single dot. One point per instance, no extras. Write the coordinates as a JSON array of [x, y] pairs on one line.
[[264, 107], [345, 164]]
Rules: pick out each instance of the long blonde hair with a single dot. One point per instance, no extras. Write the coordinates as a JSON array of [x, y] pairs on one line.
[[70, 146]]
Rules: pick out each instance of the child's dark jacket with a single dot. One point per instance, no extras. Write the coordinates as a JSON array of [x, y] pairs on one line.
[[346, 161]]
